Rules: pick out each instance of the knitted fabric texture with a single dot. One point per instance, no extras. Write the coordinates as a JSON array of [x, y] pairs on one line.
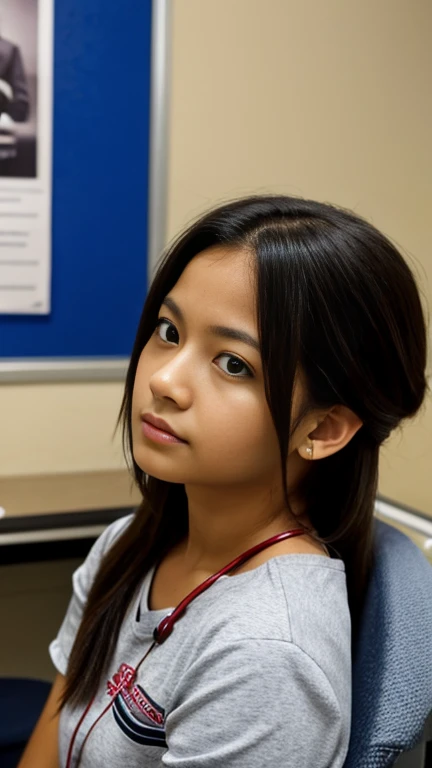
[[392, 672]]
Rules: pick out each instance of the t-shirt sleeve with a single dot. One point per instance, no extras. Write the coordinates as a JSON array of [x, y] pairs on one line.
[[82, 581], [260, 703]]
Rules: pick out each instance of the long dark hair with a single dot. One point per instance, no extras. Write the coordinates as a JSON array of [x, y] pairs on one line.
[[334, 297]]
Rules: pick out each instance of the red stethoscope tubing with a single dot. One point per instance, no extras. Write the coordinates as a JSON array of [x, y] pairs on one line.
[[165, 627]]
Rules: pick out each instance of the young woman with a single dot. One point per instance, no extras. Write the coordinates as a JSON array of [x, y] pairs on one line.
[[282, 341]]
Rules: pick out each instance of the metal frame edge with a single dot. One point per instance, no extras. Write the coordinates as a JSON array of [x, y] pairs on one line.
[[159, 124]]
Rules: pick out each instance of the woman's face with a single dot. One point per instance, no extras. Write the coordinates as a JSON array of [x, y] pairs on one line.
[[201, 373]]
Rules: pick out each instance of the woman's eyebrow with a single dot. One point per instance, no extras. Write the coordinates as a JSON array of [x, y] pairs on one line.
[[232, 333], [216, 330], [175, 309]]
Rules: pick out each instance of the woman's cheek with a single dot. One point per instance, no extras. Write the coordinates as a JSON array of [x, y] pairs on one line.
[[239, 433]]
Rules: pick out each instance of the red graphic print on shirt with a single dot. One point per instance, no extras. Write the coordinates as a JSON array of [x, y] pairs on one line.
[[135, 712]]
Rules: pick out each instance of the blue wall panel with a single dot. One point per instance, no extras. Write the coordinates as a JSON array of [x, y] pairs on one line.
[[100, 184]]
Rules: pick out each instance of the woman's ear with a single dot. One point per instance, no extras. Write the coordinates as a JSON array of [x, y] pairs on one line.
[[332, 434]]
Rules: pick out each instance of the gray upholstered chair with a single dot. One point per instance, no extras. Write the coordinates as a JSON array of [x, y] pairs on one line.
[[392, 676]]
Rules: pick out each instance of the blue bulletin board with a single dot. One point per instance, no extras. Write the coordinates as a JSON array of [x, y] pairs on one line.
[[101, 112]]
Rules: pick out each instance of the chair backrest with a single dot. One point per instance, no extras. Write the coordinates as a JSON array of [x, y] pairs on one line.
[[392, 672]]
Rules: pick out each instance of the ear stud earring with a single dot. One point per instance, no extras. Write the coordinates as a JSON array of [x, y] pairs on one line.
[[309, 451]]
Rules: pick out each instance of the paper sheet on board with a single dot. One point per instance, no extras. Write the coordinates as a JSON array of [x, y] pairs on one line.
[[26, 78]]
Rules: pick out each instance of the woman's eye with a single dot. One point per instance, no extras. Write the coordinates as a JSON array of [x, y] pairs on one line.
[[233, 366], [167, 331]]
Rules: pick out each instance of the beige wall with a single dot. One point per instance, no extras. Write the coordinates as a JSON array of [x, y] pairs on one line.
[[328, 100], [59, 428]]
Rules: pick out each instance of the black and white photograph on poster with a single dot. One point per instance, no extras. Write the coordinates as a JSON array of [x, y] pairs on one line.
[[26, 79], [18, 87]]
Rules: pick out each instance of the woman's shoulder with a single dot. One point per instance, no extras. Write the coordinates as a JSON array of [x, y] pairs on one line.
[[289, 597], [115, 529], [109, 536], [292, 602], [298, 599], [84, 575], [315, 593]]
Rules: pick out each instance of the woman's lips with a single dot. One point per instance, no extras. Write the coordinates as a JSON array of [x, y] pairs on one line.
[[158, 430]]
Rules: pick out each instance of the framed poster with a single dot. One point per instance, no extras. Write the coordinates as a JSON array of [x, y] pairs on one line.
[[74, 313]]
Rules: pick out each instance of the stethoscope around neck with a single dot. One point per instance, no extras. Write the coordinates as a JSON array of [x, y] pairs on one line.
[[166, 626]]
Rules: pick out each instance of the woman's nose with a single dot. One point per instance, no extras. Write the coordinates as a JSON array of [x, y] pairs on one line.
[[169, 382]]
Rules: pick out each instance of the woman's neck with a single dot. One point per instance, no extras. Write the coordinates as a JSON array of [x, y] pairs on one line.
[[223, 523]]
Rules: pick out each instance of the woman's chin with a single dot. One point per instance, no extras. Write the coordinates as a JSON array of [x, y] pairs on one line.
[[158, 468]]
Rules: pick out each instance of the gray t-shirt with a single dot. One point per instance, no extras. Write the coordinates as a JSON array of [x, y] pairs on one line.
[[256, 673]]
